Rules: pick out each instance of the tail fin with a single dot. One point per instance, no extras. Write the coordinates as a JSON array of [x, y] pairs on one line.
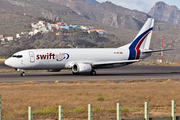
[[142, 40]]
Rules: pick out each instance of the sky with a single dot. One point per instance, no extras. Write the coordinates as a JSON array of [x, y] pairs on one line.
[[141, 5]]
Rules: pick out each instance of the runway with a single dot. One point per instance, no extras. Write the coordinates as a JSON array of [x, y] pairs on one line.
[[130, 72]]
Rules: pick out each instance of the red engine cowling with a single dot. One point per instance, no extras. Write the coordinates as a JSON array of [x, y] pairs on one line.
[[81, 68]]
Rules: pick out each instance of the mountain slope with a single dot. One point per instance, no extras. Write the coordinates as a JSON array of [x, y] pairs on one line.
[[112, 15], [12, 23], [165, 12], [92, 2]]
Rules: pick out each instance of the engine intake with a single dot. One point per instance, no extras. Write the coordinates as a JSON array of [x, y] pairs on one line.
[[81, 68]]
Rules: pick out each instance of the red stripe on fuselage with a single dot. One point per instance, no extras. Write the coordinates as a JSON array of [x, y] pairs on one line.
[[138, 51]]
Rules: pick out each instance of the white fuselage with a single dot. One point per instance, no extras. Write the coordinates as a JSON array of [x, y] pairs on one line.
[[36, 59]]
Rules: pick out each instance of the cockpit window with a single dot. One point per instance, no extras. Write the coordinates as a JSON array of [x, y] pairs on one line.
[[17, 56]]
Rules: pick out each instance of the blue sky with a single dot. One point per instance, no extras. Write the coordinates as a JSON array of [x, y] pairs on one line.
[[141, 5]]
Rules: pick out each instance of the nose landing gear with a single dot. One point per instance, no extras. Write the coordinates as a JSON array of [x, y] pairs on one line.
[[22, 72]]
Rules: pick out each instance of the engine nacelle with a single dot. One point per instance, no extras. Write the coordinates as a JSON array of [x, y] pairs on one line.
[[81, 68]]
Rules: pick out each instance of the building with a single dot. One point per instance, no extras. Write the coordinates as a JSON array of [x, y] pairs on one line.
[[86, 27], [1, 36], [99, 31], [9, 38], [66, 27], [17, 36], [102, 32]]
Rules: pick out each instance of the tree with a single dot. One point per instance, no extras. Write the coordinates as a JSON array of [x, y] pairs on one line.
[[94, 36], [5, 40], [64, 31]]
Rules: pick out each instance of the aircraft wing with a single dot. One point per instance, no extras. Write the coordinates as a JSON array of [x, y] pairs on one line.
[[158, 50], [113, 62]]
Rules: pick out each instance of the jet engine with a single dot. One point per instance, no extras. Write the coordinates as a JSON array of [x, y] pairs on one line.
[[81, 68]]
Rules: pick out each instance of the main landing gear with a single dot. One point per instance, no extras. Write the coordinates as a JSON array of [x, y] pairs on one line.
[[93, 72]]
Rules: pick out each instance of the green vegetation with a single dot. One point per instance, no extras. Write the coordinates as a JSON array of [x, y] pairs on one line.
[[112, 109], [136, 109], [79, 109], [46, 111], [97, 109], [126, 109], [100, 98], [8, 116]]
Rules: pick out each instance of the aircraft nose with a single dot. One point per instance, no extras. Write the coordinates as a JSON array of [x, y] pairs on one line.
[[7, 62]]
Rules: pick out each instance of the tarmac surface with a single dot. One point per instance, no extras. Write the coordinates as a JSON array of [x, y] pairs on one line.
[[130, 72]]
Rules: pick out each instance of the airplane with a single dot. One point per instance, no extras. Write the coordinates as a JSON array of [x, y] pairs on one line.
[[85, 60]]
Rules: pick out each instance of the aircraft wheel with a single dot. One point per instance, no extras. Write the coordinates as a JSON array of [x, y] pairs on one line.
[[23, 74], [75, 73], [93, 72]]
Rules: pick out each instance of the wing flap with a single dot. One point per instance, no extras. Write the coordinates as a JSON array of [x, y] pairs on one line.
[[113, 62]]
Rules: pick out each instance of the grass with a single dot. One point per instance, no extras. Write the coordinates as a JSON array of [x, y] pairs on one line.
[[79, 109], [100, 98], [2, 60], [126, 109], [46, 97], [46, 111], [154, 62], [97, 109]]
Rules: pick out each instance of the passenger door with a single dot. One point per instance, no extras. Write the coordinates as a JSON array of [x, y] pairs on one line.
[[32, 57]]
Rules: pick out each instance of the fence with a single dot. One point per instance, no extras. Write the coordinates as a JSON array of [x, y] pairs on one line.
[[90, 112]]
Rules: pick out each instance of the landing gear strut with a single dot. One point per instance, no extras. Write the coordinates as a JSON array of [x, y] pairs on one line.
[[22, 72], [93, 72]]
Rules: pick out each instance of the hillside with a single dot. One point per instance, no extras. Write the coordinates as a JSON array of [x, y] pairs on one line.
[[55, 12], [12, 22], [165, 12], [75, 38], [92, 2]]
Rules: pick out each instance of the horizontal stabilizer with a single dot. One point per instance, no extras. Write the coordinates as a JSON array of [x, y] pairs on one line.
[[114, 62], [158, 50]]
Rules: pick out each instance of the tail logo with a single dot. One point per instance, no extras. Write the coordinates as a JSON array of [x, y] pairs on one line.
[[134, 51]]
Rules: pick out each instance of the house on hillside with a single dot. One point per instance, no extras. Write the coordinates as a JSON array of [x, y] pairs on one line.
[[86, 27], [60, 24], [74, 26], [1, 36], [34, 25], [66, 27], [9, 38], [99, 31]]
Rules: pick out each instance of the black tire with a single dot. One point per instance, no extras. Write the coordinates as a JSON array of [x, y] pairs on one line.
[[75, 73], [23, 74], [93, 72]]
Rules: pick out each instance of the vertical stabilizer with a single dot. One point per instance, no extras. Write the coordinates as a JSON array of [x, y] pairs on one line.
[[142, 40]]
